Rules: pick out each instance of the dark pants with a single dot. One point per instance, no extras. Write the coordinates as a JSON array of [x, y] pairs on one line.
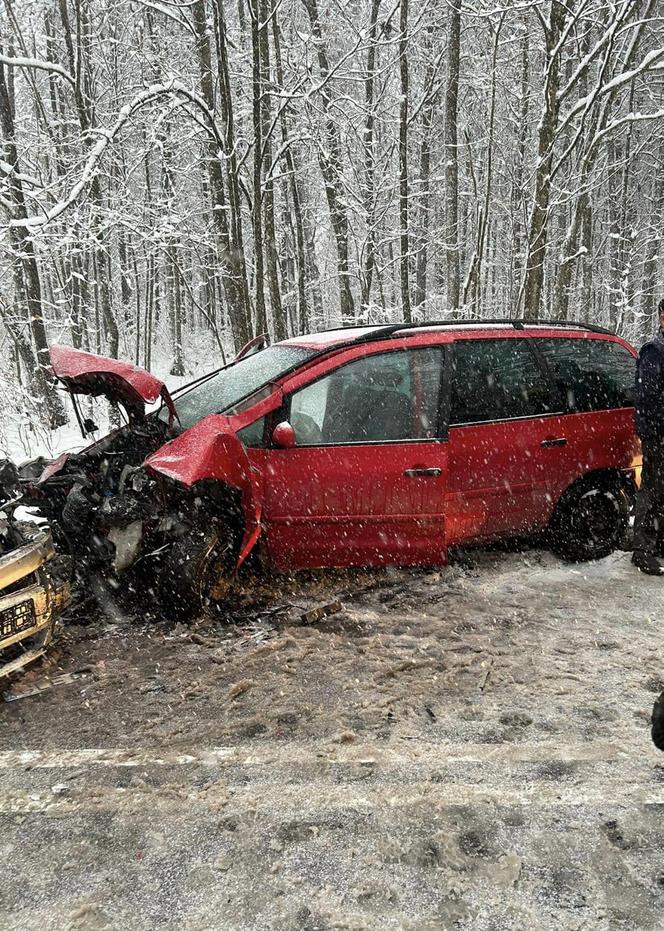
[[649, 512]]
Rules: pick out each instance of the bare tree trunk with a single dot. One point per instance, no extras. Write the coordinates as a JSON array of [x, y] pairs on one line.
[[137, 291], [624, 243], [331, 161], [28, 282], [404, 232], [313, 270], [539, 215], [472, 287], [452, 273], [424, 193], [150, 275], [561, 292], [294, 187], [615, 161], [230, 155], [79, 67], [271, 255], [24, 351], [368, 193], [587, 263], [231, 258], [259, 272], [177, 368], [520, 174], [653, 249]]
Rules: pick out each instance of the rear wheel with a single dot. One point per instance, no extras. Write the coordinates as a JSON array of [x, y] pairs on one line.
[[196, 574], [590, 520]]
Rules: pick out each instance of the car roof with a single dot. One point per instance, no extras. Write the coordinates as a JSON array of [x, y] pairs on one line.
[[327, 339], [344, 336]]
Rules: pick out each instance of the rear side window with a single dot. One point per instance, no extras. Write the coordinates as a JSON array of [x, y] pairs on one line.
[[497, 379], [593, 374], [393, 396]]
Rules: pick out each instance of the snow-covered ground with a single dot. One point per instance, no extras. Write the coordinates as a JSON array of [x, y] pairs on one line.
[[465, 748]]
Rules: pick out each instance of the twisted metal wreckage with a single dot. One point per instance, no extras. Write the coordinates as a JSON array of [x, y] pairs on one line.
[[147, 496]]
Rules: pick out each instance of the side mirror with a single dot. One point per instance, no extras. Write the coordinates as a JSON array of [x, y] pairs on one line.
[[283, 435], [90, 426]]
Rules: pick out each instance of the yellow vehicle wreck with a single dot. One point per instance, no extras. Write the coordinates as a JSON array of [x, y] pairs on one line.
[[31, 599]]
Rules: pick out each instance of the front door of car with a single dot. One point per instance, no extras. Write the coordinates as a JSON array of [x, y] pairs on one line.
[[501, 412], [364, 484]]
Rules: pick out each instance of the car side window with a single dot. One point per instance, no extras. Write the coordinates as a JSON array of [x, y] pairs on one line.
[[385, 397], [497, 379], [593, 374], [252, 434]]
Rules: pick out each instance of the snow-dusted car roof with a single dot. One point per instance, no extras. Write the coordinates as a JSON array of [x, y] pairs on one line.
[[328, 339]]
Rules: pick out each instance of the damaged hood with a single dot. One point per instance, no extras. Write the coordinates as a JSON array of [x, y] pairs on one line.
[[84, 373], [208, 450]]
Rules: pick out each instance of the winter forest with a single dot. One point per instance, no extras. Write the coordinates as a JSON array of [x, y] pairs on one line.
[[180, 175]]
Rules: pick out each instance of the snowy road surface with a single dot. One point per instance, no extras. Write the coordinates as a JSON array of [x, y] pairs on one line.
[[461, 749]]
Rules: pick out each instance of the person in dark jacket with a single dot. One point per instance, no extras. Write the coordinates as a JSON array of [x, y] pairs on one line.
[[657, 722], [649, 403]]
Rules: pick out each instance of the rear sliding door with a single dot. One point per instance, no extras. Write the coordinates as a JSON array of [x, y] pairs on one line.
[[502, 408], [596, 378]]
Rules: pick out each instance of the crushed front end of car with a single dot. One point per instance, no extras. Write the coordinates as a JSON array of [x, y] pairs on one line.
[[167, 506], [88, 498], [139, 526]]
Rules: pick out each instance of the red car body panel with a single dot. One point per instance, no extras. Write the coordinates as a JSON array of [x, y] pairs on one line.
[[595, 440], [496, 480], [355, 505], [352, 505], [85, 373]]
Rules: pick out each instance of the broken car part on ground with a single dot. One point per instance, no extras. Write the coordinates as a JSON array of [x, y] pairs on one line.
[[365, 446]]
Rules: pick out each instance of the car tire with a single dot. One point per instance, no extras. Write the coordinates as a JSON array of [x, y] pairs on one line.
[[196, 575], [590, 520], [657, 723]]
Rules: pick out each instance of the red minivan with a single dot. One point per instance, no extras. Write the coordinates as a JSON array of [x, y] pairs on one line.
[[360, 446]]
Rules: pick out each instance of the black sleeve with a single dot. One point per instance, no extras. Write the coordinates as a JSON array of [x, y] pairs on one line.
[[649, 386]]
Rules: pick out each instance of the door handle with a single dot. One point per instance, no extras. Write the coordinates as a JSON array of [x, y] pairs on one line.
[[554, 441], [422, 473]]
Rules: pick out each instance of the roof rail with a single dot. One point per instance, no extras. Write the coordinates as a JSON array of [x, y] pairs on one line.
[[384, 330]]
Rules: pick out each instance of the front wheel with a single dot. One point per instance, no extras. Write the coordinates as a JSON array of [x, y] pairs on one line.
[[196, 574], [590, 521]]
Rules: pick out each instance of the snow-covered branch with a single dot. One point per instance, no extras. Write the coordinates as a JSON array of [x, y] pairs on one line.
[[628, 119], [650, 62], [37, 64], [106, 137]]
